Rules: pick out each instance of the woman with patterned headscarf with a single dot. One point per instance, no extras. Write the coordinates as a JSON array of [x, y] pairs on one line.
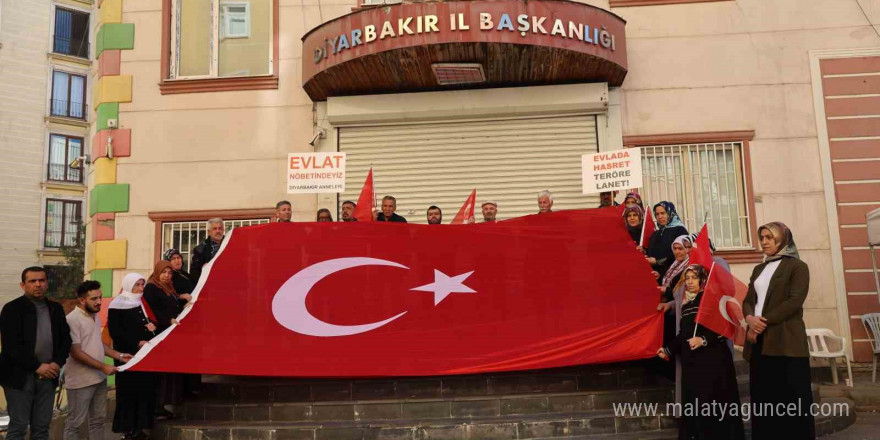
[[634, 217], [669, 227], [633, 198], [776, 345], [707, 371], [183, 282]]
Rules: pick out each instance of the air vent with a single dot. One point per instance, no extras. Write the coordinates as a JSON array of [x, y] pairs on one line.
[[455, 73]]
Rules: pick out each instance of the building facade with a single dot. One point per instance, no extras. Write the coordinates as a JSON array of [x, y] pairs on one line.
[[45, 64], [746, 111]]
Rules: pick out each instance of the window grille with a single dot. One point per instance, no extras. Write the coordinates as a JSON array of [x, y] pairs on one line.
[[184, 236], [706, 183]]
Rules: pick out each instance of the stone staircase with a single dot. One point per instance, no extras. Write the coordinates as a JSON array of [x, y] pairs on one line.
[[572, 403]]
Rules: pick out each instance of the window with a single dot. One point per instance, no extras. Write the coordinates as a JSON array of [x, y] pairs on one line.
[[236, 19], [62, 150], [68, 95], [63, 220], [707, 183], [71, 33], [221, 39], [184, 236]]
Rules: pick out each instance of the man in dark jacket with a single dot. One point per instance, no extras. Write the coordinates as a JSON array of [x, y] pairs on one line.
[[205, 252], [389, 205], [35, 343]]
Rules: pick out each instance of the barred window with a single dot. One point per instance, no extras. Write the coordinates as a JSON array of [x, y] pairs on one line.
[[63, 219], [706, 182], [184, 236]]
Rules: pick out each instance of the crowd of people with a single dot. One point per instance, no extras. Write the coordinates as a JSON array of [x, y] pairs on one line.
[[38, 339]]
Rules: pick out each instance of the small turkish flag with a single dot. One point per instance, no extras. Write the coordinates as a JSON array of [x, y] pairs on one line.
[[648, 228], [701, 253], [363, 212], [466, 213], [724, 309]]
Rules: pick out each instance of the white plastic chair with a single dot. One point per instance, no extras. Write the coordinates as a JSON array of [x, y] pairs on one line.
[[818, 339], [871, 321]]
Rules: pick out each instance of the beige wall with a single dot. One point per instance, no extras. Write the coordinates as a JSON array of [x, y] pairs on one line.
[[736, 65], [744, 65]]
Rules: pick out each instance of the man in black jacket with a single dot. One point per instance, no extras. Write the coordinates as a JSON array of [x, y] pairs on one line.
[[35, 343], [207, 250], [389, 205]]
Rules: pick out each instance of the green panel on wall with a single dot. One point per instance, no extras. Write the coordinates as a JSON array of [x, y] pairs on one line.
[[108, 198], [106, 111], [105, 277], [114, 36]]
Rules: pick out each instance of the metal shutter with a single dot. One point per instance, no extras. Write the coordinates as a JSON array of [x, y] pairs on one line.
[[508, 161]]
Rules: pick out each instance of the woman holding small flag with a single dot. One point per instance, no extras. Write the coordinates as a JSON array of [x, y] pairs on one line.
[[776, 344], [708, 377]]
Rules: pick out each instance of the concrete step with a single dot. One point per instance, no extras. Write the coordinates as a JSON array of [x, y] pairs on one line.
[[558, 380], [829, 424], [435, 408], [600, 422]]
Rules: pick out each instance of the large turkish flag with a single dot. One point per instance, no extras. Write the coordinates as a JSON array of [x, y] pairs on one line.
[[394, 299]]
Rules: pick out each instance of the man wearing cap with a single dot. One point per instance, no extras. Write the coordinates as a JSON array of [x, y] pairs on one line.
[[490, 211]]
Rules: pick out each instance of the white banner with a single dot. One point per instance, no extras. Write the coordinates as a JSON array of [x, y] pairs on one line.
[[309, 173], [612, 170]]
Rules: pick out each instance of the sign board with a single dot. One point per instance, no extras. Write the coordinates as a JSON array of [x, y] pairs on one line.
[[612, 170], [310, 173]]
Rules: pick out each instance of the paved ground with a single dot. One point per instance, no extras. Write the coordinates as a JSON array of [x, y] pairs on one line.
[[867, 427]]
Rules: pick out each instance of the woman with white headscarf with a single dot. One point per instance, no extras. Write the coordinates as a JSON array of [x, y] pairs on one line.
[[131, 325]]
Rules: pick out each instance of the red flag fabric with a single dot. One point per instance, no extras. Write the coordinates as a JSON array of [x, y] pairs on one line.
[[363, 212], [701, 253], [724, 289], [466, 213], [648, 228], [375, 299], [721, 307]]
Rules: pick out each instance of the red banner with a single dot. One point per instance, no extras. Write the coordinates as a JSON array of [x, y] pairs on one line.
[[384, 299]]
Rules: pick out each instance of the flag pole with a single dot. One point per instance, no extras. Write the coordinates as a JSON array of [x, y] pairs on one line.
[[708, 277]]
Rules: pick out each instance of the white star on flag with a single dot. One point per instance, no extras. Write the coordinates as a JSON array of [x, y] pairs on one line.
[[443, 285]]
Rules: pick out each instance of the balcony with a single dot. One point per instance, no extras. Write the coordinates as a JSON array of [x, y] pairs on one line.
[[71, 46], [67, 109]]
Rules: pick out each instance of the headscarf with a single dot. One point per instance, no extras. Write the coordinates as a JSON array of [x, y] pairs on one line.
[[638, 198], [634, 231], [703, 275], [674, 220], [168, 287], [171, 253], [127, 299], [784, 241], [678, 266]]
